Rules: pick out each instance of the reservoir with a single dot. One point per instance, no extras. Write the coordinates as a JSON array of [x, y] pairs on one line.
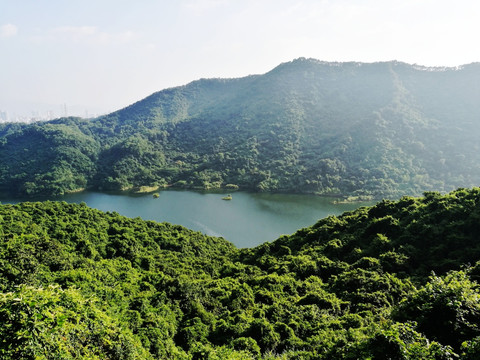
[[247, 220]]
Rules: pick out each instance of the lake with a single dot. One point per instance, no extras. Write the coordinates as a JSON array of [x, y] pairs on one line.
[[247, 220]]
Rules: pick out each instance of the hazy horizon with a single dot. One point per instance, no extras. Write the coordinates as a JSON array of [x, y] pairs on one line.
[[90, 58]]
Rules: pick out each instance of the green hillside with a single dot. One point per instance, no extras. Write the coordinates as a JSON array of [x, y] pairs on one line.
[[381, 130], [397, 280]]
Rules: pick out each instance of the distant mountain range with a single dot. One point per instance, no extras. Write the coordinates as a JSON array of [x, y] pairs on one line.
[[351, 129]]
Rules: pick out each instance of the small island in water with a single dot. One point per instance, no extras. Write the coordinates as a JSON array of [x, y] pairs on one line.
[[228, 197]]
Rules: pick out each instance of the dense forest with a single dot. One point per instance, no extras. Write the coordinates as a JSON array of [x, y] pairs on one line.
[[398, 280], [352, 129]]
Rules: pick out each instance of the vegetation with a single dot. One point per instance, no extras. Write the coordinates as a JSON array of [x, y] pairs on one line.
[[359, 130], [397, 280]]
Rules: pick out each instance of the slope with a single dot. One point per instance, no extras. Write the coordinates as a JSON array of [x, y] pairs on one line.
[[349, 129], [76, 282]]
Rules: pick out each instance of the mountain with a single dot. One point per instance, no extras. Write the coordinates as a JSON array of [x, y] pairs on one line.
[[397, 280], [351, 129]]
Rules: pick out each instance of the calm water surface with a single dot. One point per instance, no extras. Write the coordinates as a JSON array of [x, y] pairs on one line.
[[247, 220]]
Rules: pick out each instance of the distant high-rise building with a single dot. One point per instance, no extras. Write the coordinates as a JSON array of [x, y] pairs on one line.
[[3, 116]]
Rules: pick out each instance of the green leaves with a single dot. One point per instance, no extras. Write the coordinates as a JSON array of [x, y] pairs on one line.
[[79, 283], [353, 130], [45, 323], [446, 309]]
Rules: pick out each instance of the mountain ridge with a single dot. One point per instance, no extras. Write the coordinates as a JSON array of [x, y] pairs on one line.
[[381, 129]]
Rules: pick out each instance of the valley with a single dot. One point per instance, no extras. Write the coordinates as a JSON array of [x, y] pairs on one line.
[[292, 266]]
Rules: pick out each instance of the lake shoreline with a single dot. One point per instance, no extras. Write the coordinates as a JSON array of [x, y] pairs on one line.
[[338, 198], [248, 220]]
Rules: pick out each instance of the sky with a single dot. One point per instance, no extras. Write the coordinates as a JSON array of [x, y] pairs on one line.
[[87, 57]]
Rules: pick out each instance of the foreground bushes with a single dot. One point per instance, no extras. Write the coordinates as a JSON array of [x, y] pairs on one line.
[[396, 280]]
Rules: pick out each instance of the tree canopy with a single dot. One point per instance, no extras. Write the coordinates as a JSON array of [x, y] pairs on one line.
[[354, 129], [396, 280]]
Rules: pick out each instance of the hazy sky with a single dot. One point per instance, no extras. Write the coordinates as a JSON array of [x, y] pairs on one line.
[[102, 55]]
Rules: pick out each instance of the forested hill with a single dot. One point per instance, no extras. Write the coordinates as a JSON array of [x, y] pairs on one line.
[[394, 281], [380, 129]]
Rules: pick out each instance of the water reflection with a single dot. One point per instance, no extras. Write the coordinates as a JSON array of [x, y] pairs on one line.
[[247, 220]]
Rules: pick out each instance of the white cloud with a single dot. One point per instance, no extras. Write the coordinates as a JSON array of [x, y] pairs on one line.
[[76, 30], [90, 34], [199, 7], [8, 30]]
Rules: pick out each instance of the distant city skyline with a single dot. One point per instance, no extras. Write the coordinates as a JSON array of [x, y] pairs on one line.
[[101, 56], [40, 112]]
